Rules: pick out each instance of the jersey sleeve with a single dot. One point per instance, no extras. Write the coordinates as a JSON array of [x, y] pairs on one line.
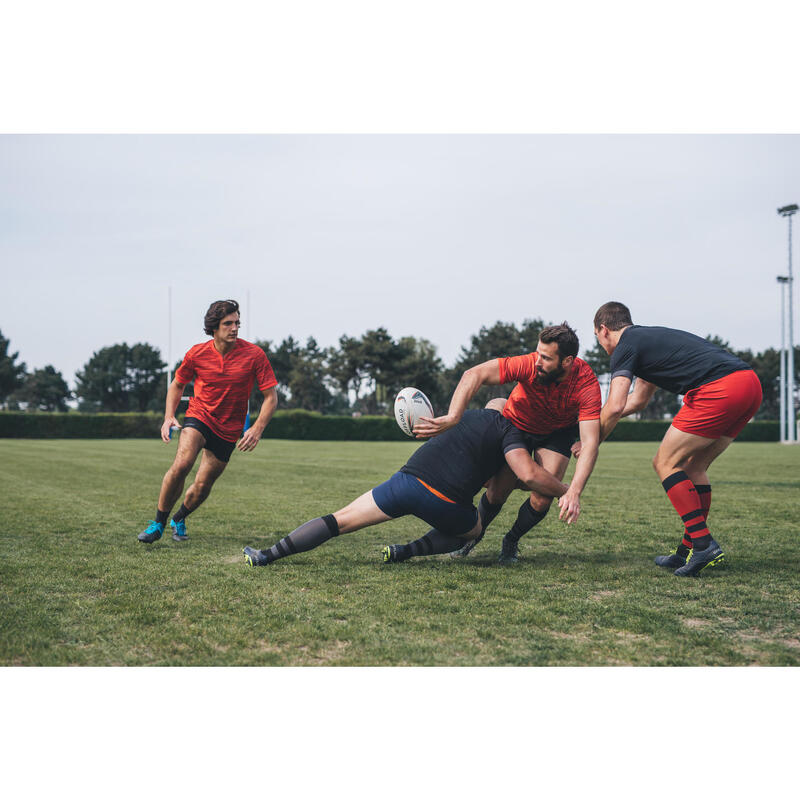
[[265, 377], [623, 361], [187, 369], [517, 368], [589, 399]]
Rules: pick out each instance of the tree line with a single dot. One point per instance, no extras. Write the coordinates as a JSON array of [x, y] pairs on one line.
[[359, 375]]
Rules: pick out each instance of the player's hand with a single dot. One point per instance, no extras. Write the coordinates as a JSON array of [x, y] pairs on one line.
[[425, 427], [249, 440], [576, 448], [166, 428], [570, 505]]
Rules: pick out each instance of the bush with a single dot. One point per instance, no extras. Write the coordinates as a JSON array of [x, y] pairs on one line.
[[296, 424], [652, 430], [306, 425]]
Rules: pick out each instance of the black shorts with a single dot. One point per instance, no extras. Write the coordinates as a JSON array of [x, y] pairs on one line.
[[559, 441], [221, 448]]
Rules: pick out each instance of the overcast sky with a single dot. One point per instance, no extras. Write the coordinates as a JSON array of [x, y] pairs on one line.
[[429, 236]]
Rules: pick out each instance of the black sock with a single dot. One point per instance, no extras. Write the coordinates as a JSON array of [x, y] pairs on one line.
[[701, 542], [683, 550], [527, 517], [161, 516], [308, 536], [432, 543], [181, 514], [488, 511]]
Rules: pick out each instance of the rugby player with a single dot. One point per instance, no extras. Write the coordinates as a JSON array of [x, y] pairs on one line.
[[721, 394], [556, 399], [223, 370], [437, 485]]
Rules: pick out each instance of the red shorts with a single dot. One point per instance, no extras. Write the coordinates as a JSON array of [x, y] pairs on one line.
[[722, 407]]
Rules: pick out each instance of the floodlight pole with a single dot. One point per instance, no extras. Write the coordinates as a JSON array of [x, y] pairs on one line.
[[169, 336], [788, 212], [783, 280]]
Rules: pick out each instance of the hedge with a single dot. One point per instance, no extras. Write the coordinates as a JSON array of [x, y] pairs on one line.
[[291, 425], [284, 425], [653, 430]]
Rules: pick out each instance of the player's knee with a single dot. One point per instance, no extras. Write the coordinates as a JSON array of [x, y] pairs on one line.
[[495, 495], [539, 502], [181, 468], [202, 488]]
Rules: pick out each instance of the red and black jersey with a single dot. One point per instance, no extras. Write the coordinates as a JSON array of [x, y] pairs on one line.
[[222, 384], [539, 408]]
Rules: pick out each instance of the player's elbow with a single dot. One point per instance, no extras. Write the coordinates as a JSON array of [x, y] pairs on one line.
[[614, 407]]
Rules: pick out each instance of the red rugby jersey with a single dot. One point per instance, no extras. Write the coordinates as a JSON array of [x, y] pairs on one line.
[[536, 408], [222, 384]]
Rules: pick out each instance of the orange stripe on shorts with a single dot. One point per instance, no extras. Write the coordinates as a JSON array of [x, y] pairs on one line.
[[438, 494]]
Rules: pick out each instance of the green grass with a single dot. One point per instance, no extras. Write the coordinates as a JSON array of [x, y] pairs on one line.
[[77, 588]]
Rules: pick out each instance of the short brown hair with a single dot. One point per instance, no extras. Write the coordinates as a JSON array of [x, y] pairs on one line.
[[613, 315], [216, 311], [564, 336]]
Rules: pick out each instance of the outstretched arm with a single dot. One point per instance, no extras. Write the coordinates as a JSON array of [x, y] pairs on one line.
[[484, 374], [612, 411], [252, 435], [534, 477], [174, 394], [570, 502]]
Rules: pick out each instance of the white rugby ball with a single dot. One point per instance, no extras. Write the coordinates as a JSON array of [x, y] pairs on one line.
[[409, 405]]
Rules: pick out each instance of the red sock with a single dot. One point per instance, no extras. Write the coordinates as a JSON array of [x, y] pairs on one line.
[[686, 501], [704, 496]]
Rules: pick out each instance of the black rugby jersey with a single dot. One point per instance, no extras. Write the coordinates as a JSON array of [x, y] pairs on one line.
[[671, 359], [459, 461]]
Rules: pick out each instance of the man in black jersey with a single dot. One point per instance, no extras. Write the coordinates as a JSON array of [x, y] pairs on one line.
[[721, 393], [437, 485]]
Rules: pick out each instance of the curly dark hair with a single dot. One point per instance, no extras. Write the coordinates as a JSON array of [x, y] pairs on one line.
[[216, 311], [564, 336]]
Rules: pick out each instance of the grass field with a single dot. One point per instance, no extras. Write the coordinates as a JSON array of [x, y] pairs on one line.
[[77, 588]]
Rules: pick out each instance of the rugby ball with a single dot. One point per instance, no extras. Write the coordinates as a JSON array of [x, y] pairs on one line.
[[409, 405]]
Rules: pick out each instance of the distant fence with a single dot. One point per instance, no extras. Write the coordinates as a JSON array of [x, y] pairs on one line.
[[291, 425]]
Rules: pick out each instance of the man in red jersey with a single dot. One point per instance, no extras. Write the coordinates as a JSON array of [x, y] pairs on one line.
[[557, 398], [223, 371]]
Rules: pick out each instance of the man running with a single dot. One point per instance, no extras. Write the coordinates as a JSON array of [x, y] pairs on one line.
[[437, 484], [223, 370], [721, 394], [556, 399]]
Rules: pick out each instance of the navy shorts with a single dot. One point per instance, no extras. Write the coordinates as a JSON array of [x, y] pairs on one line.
[[559, 441], [404, 494], [220, 447]]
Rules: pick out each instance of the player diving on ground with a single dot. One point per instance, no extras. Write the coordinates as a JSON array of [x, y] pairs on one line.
[[437, 485]]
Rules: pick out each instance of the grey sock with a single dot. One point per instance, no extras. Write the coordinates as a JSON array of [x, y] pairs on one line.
[[308, 536]]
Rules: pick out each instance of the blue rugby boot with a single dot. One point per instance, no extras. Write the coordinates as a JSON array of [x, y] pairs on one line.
[[673, 560], [700, 559], [179, 531], [255, 558], [152, 532]]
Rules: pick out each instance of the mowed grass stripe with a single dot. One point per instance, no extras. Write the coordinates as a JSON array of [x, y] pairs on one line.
[[77, 588]]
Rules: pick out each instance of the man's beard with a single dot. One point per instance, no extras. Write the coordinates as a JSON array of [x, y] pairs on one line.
[[548, 378]]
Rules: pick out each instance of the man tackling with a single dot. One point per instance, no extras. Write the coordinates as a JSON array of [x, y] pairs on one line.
[[223, 370], [437, 484], [721, 393], [557, 397]]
